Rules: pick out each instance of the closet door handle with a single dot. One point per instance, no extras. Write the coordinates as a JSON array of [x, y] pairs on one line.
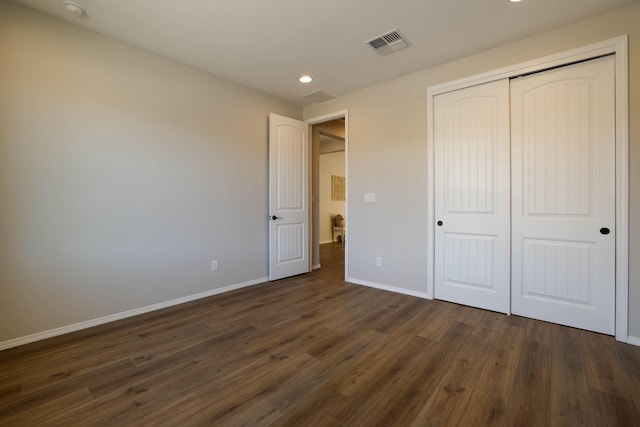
[[439, 223], [605, 231]]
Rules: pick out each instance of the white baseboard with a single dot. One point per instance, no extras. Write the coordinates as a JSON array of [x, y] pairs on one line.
[[633, 340], [316, 267], [327, 241], [388, 288], [123, 315], [630, 340]]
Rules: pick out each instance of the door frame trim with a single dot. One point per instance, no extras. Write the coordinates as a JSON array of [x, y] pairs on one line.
[[325, 118], [617, 46]]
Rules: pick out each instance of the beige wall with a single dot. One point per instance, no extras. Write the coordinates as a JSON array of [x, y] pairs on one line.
[[387, 154], [122, 175]]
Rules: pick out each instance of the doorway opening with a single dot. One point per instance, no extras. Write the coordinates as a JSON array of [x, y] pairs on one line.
[[329, 195]]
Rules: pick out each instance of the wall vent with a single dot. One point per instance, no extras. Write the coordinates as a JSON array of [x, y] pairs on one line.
[[389, 42], [318, 96]]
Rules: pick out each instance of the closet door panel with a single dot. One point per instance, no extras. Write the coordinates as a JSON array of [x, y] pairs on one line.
[[472, 253], [563, 180]]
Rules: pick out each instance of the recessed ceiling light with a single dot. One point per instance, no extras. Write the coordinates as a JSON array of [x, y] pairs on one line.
[[74, 8], [305, 79]]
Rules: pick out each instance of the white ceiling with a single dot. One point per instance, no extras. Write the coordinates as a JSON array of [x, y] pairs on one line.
[[268, 44]]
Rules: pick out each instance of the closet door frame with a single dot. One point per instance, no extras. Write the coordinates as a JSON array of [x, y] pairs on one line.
[[617, 46]]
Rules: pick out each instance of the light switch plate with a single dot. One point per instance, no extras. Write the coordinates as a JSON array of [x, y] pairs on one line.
[[369, 197]]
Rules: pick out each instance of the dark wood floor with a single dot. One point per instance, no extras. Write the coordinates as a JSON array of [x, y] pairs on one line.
[[315, 351]]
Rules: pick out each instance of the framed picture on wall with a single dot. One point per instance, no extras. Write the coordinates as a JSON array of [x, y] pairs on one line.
[[337, 187]]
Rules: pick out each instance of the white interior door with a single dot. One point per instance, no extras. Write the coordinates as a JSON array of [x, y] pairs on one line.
[[563, 179], [472, 242], [288, 197]]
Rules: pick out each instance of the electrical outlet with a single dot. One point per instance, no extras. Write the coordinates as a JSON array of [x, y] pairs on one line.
[[214, 265], [378, 261]]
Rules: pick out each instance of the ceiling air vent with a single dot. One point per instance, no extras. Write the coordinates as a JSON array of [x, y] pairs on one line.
[[388, 43], [318, 96]]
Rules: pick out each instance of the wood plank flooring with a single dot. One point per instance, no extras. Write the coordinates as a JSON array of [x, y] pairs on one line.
[[315, 351]]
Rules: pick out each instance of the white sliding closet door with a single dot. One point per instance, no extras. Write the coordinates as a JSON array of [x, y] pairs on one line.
[[472, 242], [563, 180]]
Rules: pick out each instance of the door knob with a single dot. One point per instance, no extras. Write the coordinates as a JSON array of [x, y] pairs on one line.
[[275, 217], [604, 230], [439, 223]]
